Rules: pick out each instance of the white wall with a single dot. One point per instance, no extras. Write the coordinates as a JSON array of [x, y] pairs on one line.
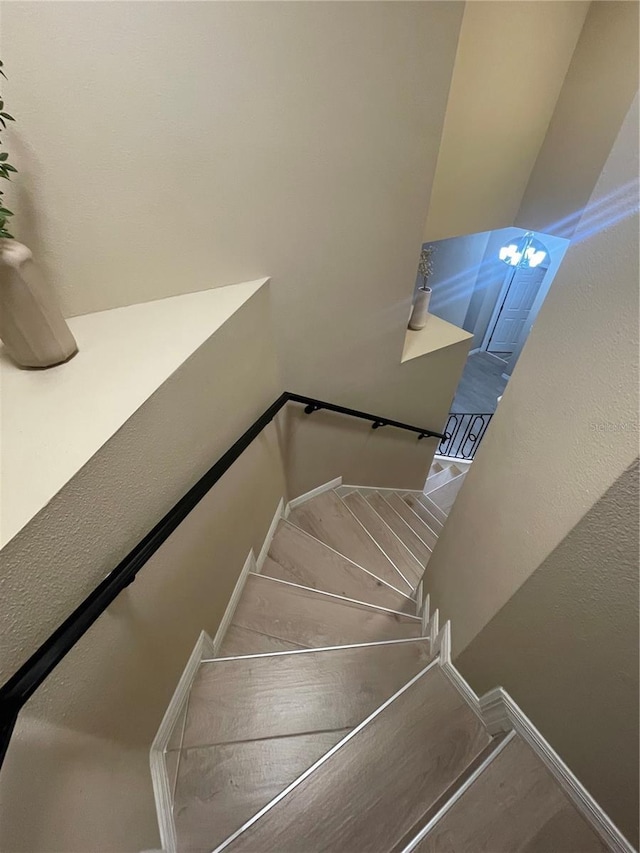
[[456, 263], [510, 65]]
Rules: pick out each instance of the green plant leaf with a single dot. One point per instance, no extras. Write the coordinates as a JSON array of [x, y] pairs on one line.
[[5, 212], [9, 167], [4, 156], [7, 116]]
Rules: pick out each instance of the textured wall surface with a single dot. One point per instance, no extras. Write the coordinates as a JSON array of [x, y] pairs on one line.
[[600, 85], [567, 426], [88, 727], [565, 647], [510, 65], [296, 140]]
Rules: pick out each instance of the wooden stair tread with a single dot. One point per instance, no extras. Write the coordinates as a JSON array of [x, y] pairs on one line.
[[220, 787], [420, 509], [394, 547], [299, 558], [239, 640], [251, 698], [515, 805], [402, 759], [415, 523], [328, 519], [399, 527], [444, 496], [294, 614], [441, 477], [433, 508]]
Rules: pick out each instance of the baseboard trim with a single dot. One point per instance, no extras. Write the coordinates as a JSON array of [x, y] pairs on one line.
[[281, 512], [425, 615], [159, 776], [453, 460], [249, 566], [502, 714], [443, 641], [325, 487], [433, 629]]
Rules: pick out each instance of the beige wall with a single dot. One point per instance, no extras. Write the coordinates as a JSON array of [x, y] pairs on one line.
[[69, 792], [566, 428], [565, 647], [598, 90], [565, 431], [322, 446], [170, 147], [511, 61], [99, 710]]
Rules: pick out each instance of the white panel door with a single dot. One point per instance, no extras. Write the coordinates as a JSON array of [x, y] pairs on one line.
[[514, 313]]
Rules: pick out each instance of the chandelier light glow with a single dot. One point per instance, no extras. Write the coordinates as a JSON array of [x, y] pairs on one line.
[[525, 252]]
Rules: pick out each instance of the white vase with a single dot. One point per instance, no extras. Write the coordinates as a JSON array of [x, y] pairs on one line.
[[420, 311], [32, 328]]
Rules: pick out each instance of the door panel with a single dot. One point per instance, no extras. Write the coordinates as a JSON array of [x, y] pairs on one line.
[[514, 314]]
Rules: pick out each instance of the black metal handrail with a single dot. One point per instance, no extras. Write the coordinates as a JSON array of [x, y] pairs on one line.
[[22, 685]]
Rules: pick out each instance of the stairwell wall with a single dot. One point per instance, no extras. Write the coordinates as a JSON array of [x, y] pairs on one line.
[[563, 647], [598, 90], [89, 727], [565, 431]]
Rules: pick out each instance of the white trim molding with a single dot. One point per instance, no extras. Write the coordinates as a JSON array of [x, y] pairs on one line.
[[453, 460], [249, 566], [426, 605], [325, 487], [162, 787], [281, 512], [502, 714]]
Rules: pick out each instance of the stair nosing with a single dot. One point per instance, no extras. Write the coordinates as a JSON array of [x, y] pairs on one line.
[[421, 520], [326, 756], [406, 580], [393, 533], [348, 559], [339, 597], [436, 506], [308, 651], [417, 515], [460, 792], [442, 485], [408, 526]]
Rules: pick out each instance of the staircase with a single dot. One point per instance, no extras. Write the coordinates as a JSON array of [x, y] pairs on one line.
[[326, 714]]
